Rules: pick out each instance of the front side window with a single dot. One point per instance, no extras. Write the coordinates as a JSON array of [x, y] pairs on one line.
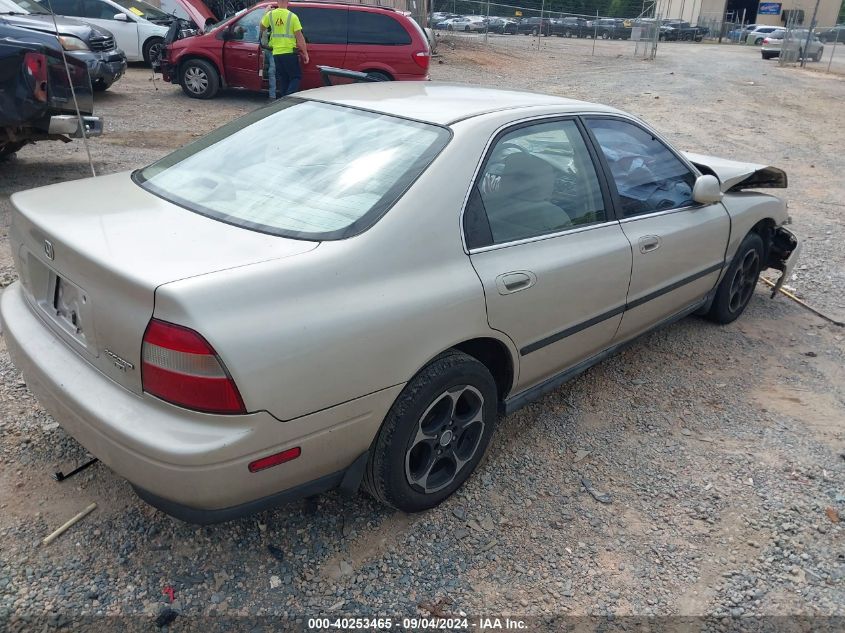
[[96, 10], [367, 27], [323, 26], [537, 179], [274, 171], [248, 27], [648, 176]]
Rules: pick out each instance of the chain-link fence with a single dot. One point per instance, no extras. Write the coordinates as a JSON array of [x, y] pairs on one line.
[[480, 20], [818, 48]]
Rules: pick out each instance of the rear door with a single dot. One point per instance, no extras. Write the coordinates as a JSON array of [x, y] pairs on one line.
[[241, 53], [554, 263], [678, 245], [324, 29], [379, 42]]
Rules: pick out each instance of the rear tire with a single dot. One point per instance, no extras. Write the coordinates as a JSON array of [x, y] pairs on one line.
[[736, 289], [100, 85], [8, 151], [378, 75], [199, 79], [434, 435]]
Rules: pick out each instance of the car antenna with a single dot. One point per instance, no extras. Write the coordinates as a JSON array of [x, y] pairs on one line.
[[72, 91]]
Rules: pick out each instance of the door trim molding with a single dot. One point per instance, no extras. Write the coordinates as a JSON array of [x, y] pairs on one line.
[[629, 305], [550, 384]]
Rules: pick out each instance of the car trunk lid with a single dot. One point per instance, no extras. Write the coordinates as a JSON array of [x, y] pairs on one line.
[[91, 254]]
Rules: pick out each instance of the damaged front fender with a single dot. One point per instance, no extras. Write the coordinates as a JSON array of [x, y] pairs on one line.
[[783, 254]]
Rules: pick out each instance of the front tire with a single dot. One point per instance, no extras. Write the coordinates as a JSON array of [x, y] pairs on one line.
[[153, 49], [199, 79], [737, 287], [434, 435]]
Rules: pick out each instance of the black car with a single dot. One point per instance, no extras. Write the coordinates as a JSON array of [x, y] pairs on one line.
[[611, 29], [35, 96], [501, 26], [681, 31], [534, 26], [835, 34], [571, 27], [90, 44]]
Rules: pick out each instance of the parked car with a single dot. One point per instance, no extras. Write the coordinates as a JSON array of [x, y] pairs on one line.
[[834, 34], [611, 28], [94, 46], [773, 45], [381, 42], [680, 30], [240, 384], [503, 26], [760, 33], [534, 26], [463, 23], [35, 94], [139, 38], [441, 16], [570, 27]]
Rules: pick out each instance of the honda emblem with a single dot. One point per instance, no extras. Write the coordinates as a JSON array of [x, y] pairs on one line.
[[48, 250]]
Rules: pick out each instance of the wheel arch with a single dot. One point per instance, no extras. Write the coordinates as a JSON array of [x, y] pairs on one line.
[[377, 68], [496, 357]]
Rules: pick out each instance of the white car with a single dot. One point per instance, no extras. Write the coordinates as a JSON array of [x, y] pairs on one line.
[[796, 45], [139, 38], [760, 33], [466, 23]]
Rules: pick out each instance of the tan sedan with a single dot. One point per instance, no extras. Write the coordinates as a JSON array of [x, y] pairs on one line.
[[353, 284]]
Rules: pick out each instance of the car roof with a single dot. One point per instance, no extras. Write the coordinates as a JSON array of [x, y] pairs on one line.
[[441, 103]]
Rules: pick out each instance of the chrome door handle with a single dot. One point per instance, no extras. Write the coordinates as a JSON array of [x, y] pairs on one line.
[[649, 243], [508, 283]]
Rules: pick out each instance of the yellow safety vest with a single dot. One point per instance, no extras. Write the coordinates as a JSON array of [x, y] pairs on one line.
[[282, 25]]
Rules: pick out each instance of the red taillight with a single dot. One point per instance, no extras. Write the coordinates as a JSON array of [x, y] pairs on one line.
[[179, 365], [422, 58], [274, 460], [36, 68], [765, 40]]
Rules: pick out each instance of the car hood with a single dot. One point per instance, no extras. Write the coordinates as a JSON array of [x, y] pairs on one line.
[[198, 12], [67, 26], [736, 176]]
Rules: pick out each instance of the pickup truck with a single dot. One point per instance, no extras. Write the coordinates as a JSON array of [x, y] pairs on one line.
[[678, 30], [36, 103]]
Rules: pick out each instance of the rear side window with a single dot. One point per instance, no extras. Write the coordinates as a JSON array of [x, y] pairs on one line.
[[323, 26], [366, 27]]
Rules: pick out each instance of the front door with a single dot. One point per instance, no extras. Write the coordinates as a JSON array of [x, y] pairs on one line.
[[678, 245], [554, 263], [125, 31], [241, 52]]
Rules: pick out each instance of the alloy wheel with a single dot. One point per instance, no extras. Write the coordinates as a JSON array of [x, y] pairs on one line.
[[744, 280], [448, 435], [155, 52], [196, 80]]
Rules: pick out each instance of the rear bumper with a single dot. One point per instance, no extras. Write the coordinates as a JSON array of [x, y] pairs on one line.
[[190, 464], [69, 124]]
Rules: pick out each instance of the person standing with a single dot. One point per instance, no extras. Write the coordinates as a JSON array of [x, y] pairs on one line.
[[268, 55], [288, 43]]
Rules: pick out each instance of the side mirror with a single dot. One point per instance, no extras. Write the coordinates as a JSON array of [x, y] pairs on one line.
[[707, 190], [121, 17]]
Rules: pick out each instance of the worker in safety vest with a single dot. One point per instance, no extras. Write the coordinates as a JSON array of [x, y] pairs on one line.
[[287, 43]]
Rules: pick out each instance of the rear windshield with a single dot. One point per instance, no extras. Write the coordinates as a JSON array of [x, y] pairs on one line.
[[299, 169]]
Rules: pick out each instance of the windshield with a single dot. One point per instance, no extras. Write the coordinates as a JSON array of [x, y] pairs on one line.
[[142, 9], [300, 169], [7, 6]]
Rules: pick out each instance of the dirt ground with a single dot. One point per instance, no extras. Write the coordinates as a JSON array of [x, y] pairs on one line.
[[721, 448]]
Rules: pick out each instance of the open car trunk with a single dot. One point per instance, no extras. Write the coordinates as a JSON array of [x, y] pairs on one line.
[[91, 260]]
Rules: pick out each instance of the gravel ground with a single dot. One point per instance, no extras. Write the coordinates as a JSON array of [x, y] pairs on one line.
[[699, 473]]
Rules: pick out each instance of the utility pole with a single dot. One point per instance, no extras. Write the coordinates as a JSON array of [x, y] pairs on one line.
[[810, 34]]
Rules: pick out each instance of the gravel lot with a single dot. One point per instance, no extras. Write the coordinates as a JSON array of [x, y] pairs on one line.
[[720, 448]]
